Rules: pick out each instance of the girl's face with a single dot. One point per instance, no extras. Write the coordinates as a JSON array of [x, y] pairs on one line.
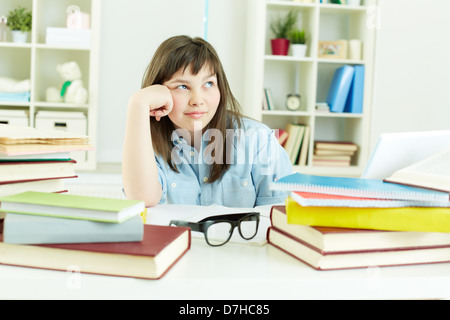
[[195, 98]]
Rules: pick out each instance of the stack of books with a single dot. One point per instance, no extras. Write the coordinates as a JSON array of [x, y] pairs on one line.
[[37, 160], [333, 153], [99, 235], [340, 223]]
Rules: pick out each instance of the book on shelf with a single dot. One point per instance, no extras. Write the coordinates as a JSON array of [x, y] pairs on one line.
[[72, 206], [303, 154], [339, 88], [297, 143], [356, 187], [419, 219], [264, 105], [269, 99], [326, 248], [151, 258], [432, 172], [307, 199], [33, 229], [354, 103], [340, 157], [335, 145], [330, 163], [282, 136], [15, 171], [298, 134], [293, 131]]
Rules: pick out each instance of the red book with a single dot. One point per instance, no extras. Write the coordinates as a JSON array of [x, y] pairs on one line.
[[326, 248], [282, 136], [150, 258]]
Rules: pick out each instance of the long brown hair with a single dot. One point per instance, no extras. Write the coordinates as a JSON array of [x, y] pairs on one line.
[[181, 52]]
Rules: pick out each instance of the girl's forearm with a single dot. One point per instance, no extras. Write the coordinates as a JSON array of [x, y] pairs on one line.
[[139, 169]]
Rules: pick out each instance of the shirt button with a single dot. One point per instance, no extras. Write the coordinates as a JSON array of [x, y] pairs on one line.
[[192, 153], [245, 183], [205, 179], [173, 184]]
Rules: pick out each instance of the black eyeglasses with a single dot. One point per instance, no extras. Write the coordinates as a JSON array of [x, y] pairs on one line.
[[219, 229]]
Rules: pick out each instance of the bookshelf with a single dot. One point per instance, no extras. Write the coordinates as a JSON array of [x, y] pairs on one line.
[[311, 76], [36, 60]]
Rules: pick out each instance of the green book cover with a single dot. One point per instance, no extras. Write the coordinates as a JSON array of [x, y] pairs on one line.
[[71, 206]]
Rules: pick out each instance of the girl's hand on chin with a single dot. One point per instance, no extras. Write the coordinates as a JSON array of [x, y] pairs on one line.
[[158, 99]]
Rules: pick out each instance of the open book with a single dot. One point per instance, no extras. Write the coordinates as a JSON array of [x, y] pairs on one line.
[[432, 173]]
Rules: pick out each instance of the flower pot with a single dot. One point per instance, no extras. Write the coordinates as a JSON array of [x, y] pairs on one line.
[[19, 36], [280, 47], [298, 50]]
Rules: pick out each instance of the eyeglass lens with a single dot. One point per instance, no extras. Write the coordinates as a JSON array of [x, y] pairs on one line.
[[219, 233], [248, 227]]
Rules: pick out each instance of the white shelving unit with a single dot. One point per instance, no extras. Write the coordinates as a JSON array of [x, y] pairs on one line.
[[311, 74], [37, 61]]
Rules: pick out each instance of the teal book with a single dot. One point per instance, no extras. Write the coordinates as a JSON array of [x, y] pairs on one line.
[[32, 229], [339, 88], [355, 97], [72, 206], [357, 187]]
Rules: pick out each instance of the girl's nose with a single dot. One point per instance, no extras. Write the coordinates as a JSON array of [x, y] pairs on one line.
[[196, 98]]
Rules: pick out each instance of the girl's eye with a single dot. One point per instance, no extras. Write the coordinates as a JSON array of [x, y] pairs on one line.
[[182, 86], [209, 84]]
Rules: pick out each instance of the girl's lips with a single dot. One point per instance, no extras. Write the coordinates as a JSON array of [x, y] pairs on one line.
[[196, 115]]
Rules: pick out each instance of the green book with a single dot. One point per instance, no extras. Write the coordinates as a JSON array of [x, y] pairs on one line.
[[72, 206]]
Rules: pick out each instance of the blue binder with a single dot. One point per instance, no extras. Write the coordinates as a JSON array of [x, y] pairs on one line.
[[354, 102], [339, 88]]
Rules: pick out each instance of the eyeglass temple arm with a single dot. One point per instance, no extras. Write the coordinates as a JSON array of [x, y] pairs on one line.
[[193, 225]]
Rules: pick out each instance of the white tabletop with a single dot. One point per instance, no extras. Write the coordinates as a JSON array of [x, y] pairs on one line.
[[234, 271]]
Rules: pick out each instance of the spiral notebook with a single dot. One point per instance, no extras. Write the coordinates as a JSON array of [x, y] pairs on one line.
[[356, 187]]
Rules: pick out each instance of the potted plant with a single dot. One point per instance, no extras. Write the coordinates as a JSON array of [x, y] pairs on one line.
[[280, 28], [297, 39], [19, 21]]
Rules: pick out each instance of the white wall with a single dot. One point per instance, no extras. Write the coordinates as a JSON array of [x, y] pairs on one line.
[[130, 33], [412, 67]]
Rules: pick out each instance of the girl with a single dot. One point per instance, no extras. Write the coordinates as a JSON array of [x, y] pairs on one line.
[[197, 148]]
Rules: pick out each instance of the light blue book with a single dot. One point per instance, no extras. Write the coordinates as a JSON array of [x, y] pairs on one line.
[[357, 187], [33, 229], [339, 88], [354, 102]]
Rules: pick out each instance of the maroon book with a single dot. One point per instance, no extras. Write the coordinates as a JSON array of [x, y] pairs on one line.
[[151, 258]]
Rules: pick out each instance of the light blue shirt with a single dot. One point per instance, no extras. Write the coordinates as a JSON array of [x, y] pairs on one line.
[[256, 159]]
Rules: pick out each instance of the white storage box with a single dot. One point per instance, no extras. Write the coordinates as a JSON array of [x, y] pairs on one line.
[[14, 117], [65, 121]]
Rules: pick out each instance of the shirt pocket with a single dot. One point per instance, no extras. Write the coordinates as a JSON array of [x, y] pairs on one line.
[[238, 192], [182, 192]]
